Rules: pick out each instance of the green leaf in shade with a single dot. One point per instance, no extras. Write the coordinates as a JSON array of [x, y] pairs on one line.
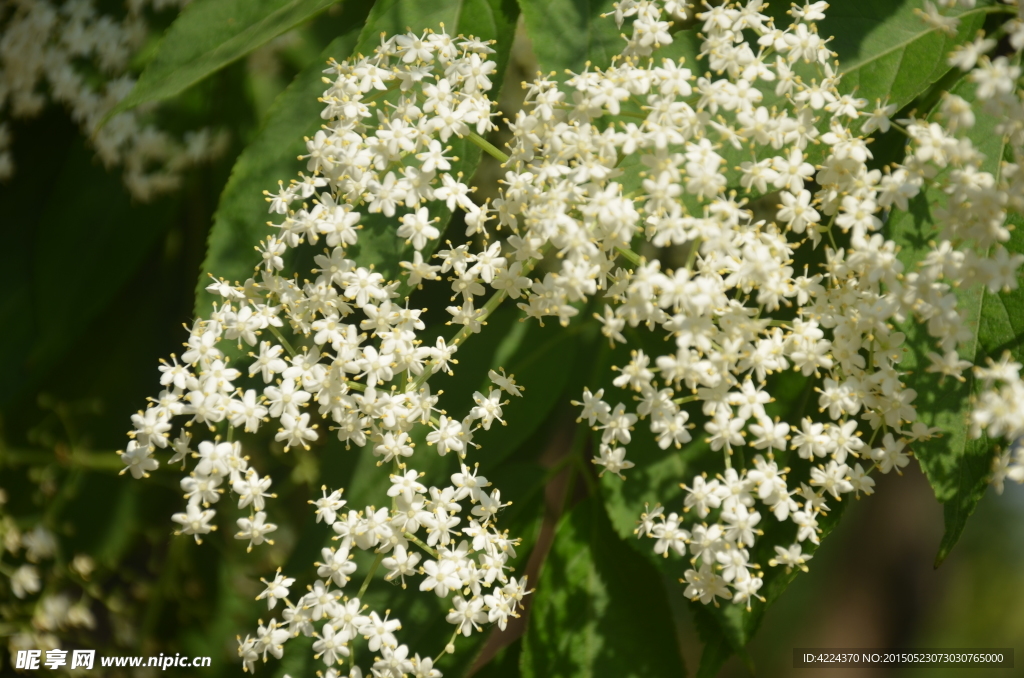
[[567, 34], [956, 465], [725, 630], [717, 648], [420, 611], [599, 608], [241, 219], [99, 254], [657, 473], [485, 19], [1002, 316], [1000, 329], [210, 34], [886, 51], [541, 359]]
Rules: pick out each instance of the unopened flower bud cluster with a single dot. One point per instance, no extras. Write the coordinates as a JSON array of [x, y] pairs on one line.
[[74, 54]]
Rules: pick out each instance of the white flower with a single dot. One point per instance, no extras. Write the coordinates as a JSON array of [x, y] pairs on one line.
[[331, 645], [448, 436], [417, 229], [194, 521], [138, 459], [400, 564], [612, 459], [467, 615], [890, 455], [25, 581], [277, 589], [254, 529]]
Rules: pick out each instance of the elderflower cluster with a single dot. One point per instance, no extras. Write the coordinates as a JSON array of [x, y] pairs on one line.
[[354, 361], [42, 608], [471, 566], [999, 412], [773, 127], [757, 172], [75, 54], [970, 252]]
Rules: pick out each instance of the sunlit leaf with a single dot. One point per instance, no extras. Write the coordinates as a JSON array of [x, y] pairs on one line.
[[956, 465], [599, 609], [886, 51], [210, 34]]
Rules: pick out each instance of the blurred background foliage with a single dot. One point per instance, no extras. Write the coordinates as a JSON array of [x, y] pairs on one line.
[[98, 287]]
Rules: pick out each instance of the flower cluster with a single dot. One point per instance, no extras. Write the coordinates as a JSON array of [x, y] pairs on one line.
[[472, 566], [357, 362], [78, 56], [777, 115], [758, 164], [36, 616], [999, 412]]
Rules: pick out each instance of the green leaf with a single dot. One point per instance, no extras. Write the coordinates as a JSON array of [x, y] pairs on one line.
[[1000, 329], [241, 219], [486, 19], [567, 34], [886, 51], [599, 608], [210, 34], [717, 648], [957, 466], [541, 359], [46, 314]]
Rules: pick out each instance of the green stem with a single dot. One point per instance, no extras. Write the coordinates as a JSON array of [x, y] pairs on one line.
[[284, 342], [451, 643], [691, 256], [96, 461], [488, 148], [900, 128], [462, 334], [416, 540], [828, 230], [556, 469], [631, 114], [995, 9], [369, 575], [588, 480], [874, 435], [631, 255]]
